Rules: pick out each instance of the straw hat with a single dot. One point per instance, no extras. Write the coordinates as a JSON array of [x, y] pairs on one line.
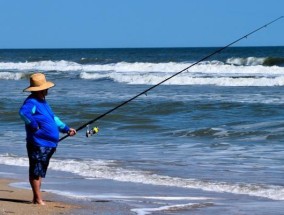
[[38, 83]]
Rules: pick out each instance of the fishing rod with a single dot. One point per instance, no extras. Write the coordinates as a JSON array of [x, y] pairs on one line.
[[95, 129]]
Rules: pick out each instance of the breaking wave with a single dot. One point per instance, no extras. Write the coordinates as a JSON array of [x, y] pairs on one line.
[[235, 72], [253, 61], [109, 169]]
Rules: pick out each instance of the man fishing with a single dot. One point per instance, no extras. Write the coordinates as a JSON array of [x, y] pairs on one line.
[[42, 129]]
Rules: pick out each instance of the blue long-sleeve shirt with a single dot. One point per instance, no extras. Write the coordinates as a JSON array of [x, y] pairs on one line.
[[42, 126]]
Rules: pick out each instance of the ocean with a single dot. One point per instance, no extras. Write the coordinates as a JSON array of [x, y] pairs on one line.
[[208, 141]]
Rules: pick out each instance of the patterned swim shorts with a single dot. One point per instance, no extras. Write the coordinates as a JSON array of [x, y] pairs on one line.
[[39, 159]]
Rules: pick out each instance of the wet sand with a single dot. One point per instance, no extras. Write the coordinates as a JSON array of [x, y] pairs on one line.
[[18, 201]]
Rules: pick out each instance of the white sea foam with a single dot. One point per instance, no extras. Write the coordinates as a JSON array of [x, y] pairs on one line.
[[11, 75], [41, 65], [92, 169], [186, 79], [146, 211], [205, 67], [203, 74], [250, 73]]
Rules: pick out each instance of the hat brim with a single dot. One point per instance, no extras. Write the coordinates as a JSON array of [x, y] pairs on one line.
[[44, 86]]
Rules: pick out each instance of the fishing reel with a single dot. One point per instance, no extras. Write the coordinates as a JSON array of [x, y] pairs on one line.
[[92, 131]]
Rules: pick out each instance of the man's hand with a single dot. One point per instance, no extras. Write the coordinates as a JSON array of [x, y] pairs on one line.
[[72, 132]]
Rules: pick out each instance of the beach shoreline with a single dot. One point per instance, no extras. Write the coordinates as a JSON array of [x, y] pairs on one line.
[[18, 201], [15, 200]]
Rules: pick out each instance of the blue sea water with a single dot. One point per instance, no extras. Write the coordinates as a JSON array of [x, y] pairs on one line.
[[208, 141]]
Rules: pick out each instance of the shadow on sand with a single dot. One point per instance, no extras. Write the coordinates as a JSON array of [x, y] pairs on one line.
[[15, 200]]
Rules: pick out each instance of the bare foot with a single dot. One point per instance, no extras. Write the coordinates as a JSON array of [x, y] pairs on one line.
[[38, 202]]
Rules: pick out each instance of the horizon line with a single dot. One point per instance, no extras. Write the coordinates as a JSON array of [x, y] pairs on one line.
[[162, 47]]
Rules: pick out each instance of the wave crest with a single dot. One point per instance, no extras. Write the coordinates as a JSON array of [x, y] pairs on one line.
[[254, 61], [249, 61], [11, 76], [205, 73], [185, 79]]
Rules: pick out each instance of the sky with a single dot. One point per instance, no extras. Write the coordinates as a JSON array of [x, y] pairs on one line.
[[138, 23]]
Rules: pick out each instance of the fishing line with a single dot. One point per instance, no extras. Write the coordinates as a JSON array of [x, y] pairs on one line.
[[185, 69]]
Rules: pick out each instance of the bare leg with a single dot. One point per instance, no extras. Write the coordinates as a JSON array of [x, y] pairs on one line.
[[36, 184]]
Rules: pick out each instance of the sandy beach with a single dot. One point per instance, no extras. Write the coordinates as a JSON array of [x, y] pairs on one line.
[[18, 201]]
